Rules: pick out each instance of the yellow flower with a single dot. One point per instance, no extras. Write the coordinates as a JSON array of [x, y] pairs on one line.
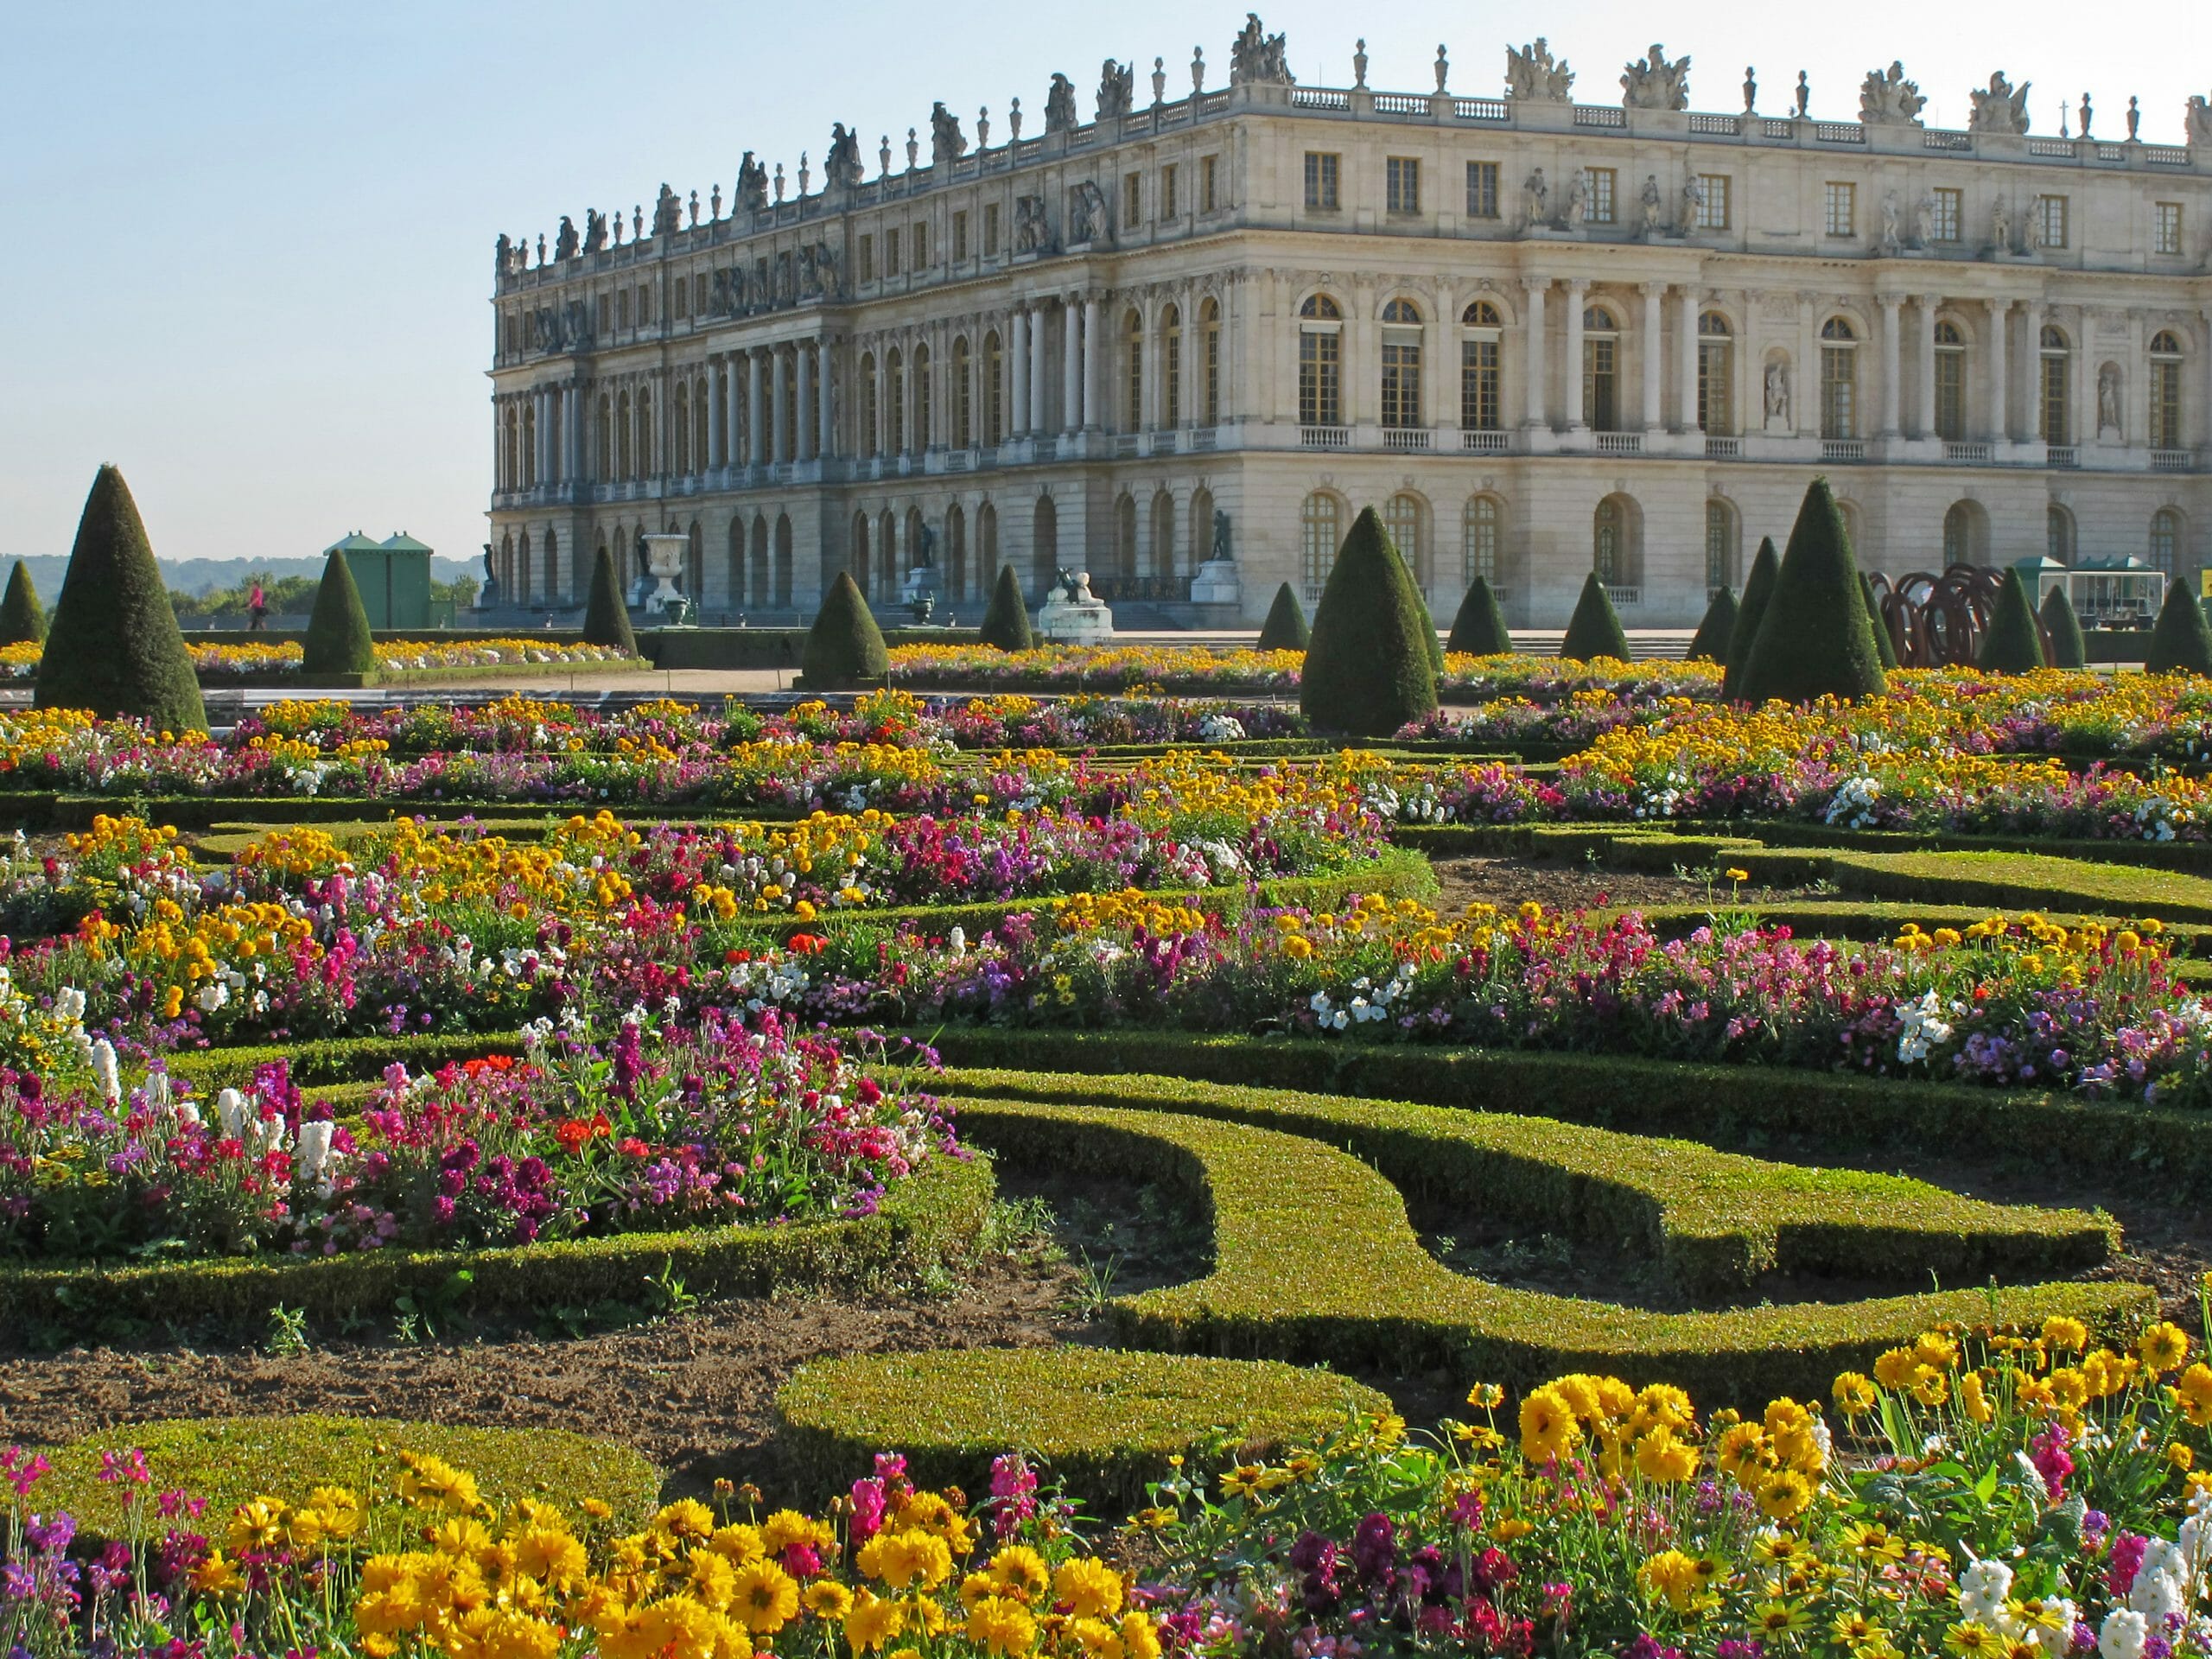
[[2193, 1393], [1019, 1572], [1087, 1587], [1785, 1494], [257, 1525], [1969, 1640], [828, 1600], [1549, 1429], [1854, 1395], [1660, 1457], [765, 1597], [216, 1576], [1738, 876], [1974, 1399], [431, 1483], [870, 1623], [2163, 1347], [1001, 1626], [1487, 1396], [2064, 1335]]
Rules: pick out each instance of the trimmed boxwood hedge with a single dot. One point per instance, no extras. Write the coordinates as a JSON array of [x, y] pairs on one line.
[[230, 1460], [1314, 1260], [1716, 1222], [1102, 1423]]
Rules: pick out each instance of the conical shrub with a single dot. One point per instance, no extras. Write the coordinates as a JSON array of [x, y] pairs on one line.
[[606, 616], [1286, 627], [1814, 640], [2014, 642], [1429, 633], [1884, 647], [2180, 643], [1593, 631], [1479, 629], [22, 618], [1710, 643], [1758, 588], [339, 640], [1368, 668], [2067, 648], [1005, 620], [115, 647], [844, 648]]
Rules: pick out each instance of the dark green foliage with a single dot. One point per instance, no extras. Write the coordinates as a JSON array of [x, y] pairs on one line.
[[22, 618], [1286, 628], [1883, 644], [1428, 631], [2014, 642], [1710, 644], [1006, 623], [339, 640], [2067, 648], [606, 617], [114, 647], [1814, 640], [844, 648], [2181, 643], [1593, 631], [1479, 629], [1758, 588], [1370, 666]]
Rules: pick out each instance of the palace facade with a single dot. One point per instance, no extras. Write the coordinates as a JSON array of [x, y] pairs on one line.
[[1539, 335]]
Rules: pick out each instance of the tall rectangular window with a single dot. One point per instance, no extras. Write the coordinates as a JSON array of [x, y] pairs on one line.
[[2165, 227], [1401, 381], [1838, 392], [891, 253], [2054, 425], [1943, 223], [1402, 184], [1208, 168], [868, 258], [622, 307], [644, 306], [2050, 214], [959, 237], [1716, 373], [1167, 208], [1133, 201], [1601, 383], [1599, 181], [1482, 189], [1211, 323], [921, 245], [1712, 202], [1320, 391], [2165, 404], [1950, 396], [606, 320], [1841, 205], [1321, 170], [1478, 388], [990, 230]]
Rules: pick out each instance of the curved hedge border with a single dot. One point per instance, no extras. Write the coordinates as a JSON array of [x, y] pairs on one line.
[[230, 1460], [1103, 1422], [1314, 1259], [935, 1214], [1716, 1222]]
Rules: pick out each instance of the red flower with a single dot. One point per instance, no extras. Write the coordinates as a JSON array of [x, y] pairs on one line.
[[807, 945], [633, 1148]]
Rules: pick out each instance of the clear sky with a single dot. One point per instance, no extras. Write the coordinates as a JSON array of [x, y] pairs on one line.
[[251, 240]]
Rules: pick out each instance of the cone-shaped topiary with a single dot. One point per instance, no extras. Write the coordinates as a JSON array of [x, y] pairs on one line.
[[1368, 669], [2067, 648], [1710, 643], [1284, 628], [1479, 629], [339, 640], [607, 617], [114, 647], [22, 618], [1006, 621], [2180, 644], [1593, 629], [1883, 645], [1428, 631], [2014, 642], [844, 648], [1758, 588], [1815, 640]]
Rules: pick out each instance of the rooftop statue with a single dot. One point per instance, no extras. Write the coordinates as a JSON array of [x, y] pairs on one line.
[[1257, 58], [668, 213], [947, 143], [1532, 75], [565, 241], [751, 186], [842, 169], [1655, 84], [1888, 99], [2197, 121], [1117, 89], [1999, 109], [1060, 106], [594, 230]]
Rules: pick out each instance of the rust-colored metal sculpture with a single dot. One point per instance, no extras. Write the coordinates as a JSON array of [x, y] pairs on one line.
[[1938, 621]]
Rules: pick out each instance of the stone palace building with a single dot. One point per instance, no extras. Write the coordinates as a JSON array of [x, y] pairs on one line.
[[1539, 335]]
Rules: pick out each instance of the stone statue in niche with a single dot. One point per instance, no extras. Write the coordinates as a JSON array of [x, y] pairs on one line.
[[503, 254], [2036, 229], [2108, 402], [1924, 222], [1220, 545], [752, 187], [565, 240], [1533, 76], [2000, 109], [1086, 214], [1692, 205], [1893, 240], [1655, 84], [1778, 396], [594, 230], [828, 269], [1578, 204], [2196, 121], [1535, 201], [1651, 206], [1031, 232], [1060, 106], [2000, 227], [947, 143], [842, 169], [1257, 58], [1887, 99], [1117, 89], [668, 213]]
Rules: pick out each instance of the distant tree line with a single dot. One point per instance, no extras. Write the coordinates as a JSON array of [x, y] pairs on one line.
[[288, 597]]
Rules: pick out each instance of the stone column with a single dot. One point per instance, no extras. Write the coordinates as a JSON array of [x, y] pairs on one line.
[[1892, 362], [1539, 409], [1093, 400], [1071, 364], [1652, 353], [1193, 393], [756, 370], [1928, 304], [573, 430], [1686, 344], [1040, 419], [1017, 365], [1576, 292], [803, 438], [716, 436], [825, 414], [734, 417], [780, 370], [2001, 371], [538, 425]]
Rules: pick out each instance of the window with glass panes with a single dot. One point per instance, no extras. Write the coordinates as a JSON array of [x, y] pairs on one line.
[[1401, 364], [1402, 518], [2165, 540], [1598, 182], [1132, 371], [1478, 542], [990, 230], [1839, 380], [868, 258], [1480, 407], [1133, 201], [1482, 189], [1171, 366], [1605, 542], [993, 392], [1839, 204], [1950, 382], [1167, 208], [1319, 524], [1321, 171], [963, 397], [2166, 391], [2053, 423], [1600, 370], [1712, 207], [1402, 184], [1209, 323], [891, 253], [1716, 376], [1320, 359], [2050, 212], [1720, 546], [1208, 167], [959, 237], [1943, 220], [2165, 227]]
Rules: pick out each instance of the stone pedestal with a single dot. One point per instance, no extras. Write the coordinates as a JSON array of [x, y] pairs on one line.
[[1216, 582], [1072, 616]]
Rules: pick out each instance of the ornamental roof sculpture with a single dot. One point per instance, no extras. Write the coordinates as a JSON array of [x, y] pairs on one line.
[[1257, 58], [1533, 76], [1888, 99], [1999, 109], [1655, 84]]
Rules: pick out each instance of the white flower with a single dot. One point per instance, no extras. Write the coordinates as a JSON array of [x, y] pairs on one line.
[[958, 940], [104, 1074], [2122, 1634], [212, 996], [1923, 1029], [2156, 1595], [1982, 1589], [230, 1112]]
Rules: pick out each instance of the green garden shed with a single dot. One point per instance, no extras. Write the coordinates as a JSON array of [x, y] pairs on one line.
[[394, 577]]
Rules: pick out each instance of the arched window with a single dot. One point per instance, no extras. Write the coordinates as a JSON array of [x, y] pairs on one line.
[[886, 552], [604, 436], [1616, 546], [1605, 546], [1045, 544], [1320, 363], [915, 533], [994, 390], [1478, 541], [695, 563], [2058, 533], [1401, 365], [2166, 391], [1163, 536], [2165, 540], [2054, 424], [1720, 546], [924, 424], [1950, 382], [626, 435], [987, 545], [1402, 517], [1125, 538], [862, 574], [529, 447], [1320, 523], [1962, 534], [756, 580], [1171, 366], [783, 560], [894, 403], [1210, 361], [1481, 406], [1201, 522], [682, 432], [735, 555], [1839, 379], [703, 427], [521, 568], [1716, 376], [1133, 371], [646, 464], [963, 397], [1601, 402], [955, 552]]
